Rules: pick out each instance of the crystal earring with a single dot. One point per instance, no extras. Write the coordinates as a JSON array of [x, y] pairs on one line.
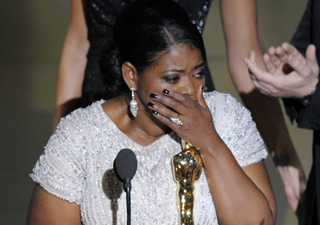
[[133, 104]]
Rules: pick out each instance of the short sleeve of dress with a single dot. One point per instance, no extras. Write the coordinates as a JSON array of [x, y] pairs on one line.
[[235, 126], [59, 169]]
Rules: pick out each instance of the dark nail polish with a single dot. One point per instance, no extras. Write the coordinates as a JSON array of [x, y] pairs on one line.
[[150, 104], [165, 91], [152, 95], [155, 112]]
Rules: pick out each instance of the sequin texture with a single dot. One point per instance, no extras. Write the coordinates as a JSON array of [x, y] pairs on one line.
[[86, 143]]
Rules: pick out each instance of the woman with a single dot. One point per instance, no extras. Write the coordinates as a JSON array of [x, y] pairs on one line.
[[159, 55], [79, 82]]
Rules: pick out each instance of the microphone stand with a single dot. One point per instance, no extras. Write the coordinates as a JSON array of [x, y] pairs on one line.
[[127, 189], [126, 166]]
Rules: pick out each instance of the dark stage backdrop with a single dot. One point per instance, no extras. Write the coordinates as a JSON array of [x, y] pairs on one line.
[[31, 38]]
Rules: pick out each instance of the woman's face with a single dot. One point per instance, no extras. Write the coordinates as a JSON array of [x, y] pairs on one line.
[[181, 69]]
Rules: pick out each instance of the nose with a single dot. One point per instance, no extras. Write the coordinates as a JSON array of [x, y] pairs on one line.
[[187, 87]]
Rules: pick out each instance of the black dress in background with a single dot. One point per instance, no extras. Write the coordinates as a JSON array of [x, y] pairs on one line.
[[100, 16]]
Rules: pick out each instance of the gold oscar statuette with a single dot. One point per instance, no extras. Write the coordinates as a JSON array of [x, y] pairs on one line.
[[187, 167]]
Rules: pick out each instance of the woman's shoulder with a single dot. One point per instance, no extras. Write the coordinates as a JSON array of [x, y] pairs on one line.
[[83, 117], [216, 99], [225, 108], [94, 109], [235, 126]]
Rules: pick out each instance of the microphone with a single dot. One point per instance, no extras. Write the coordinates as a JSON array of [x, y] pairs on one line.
[[125, 166]]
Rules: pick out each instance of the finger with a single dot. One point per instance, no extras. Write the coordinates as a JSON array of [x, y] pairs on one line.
[[164, 105], [259, 86], [281, 54], [173, 101], [300, 67], [267, 61], [311, 58], [256, 72], [252, 58], [267, 89], [311, 54], [283, 57], [167, 121], [267, 81], [158, 108], [273, 57], [184, 99], [253, 77], [291, 50], [199, 97]]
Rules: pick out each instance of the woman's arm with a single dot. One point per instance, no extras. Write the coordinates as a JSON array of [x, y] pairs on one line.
[[237, 192], [240, 29], [47, 209], [72, 64]]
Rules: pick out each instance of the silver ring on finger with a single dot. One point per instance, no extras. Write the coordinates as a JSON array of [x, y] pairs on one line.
[[176, 121]]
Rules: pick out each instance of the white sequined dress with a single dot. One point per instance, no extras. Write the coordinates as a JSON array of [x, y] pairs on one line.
[[86, 143]]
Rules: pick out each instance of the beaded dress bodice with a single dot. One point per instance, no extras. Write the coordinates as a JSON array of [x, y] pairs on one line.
[[86, 142]]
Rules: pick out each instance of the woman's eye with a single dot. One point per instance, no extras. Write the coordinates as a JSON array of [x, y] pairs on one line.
[[171, 79], [199, 74]]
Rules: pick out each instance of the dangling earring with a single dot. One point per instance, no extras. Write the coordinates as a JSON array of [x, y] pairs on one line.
[[133, 104]]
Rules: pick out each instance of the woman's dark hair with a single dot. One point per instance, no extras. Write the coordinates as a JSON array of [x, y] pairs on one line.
[[142, 31]]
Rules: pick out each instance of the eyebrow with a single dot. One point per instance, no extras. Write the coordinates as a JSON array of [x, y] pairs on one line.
[[198, 66], [181, 71]]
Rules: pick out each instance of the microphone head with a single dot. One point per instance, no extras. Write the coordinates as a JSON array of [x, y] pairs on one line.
[[125, 164]]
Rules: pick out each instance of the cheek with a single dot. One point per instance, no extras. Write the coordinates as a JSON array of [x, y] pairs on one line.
[[191, 86], [148, 86], [144, 91], [201, 82]]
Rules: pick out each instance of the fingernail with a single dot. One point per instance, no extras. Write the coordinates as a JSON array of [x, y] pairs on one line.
[[152, 95], [166, 91], [155, 112], [150, 104]]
